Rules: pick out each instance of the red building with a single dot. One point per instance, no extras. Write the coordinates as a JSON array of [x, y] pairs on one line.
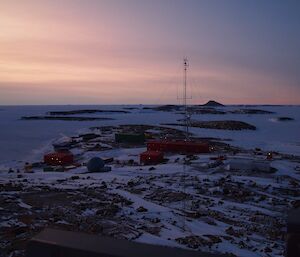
[[178, 146], [151, 157], [59, 158]]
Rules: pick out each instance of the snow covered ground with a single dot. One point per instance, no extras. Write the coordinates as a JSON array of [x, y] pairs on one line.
[[200, 205]]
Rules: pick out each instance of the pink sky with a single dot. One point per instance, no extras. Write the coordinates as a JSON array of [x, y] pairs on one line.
[[115, 52]]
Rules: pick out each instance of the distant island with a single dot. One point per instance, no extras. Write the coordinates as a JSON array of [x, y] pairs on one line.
[[213, 103]]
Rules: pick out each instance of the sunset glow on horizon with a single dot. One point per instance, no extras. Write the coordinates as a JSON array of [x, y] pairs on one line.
[[130, 52]]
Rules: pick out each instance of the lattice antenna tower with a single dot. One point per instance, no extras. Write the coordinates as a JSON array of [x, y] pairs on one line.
[[185, 98]]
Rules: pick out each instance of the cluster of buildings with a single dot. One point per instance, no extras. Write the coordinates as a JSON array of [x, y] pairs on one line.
[[154, 154]]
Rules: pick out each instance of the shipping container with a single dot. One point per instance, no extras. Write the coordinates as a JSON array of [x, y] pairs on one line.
[[178, 146], [130, 138], [59, 158], [151, 157]]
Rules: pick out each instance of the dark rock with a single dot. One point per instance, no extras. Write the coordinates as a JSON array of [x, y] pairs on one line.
[[195, 109], [155, 220], [162, 195], [295, 204], [218, 124], [214, 239], [251, 111], [196, 214], [151, 230], [232, 232], [141, 209], [267, 250], [213, 103], [108, 210], [167, 108], [103, 185], [86, 111], [285, 119], [64, 118], [88, 136], [194, 242]]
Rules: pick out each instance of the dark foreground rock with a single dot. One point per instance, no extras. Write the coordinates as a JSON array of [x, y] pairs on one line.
[[196, 242], [27, 210]]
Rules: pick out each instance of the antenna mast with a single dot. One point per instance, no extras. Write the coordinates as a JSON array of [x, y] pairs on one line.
[[186, 121], [186, 115]]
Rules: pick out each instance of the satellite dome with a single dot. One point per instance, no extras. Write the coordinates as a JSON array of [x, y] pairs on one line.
[[95, 164]]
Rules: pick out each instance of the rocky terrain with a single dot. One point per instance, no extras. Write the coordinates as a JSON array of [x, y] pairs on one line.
[[285, 119], [200, 201], [213, 103], [222, 124], [64, 118], [219, 207], [189, 201], [210, 107], [89, 111], [250, 111]]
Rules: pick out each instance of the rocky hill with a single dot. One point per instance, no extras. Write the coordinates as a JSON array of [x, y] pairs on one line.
[[213, 103]]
